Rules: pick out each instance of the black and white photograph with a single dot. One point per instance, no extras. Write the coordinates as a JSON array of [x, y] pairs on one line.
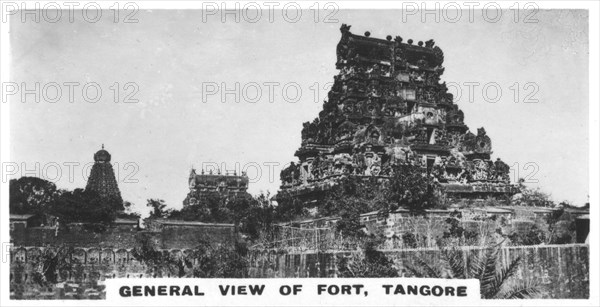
[[299, 153]]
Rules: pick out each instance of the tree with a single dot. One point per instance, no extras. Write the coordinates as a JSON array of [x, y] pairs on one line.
[[412, 188], [158, 208], [31, 195], [289, 207], [532, 197], [51, 263], [128, 211], [351, 197], [210, 208], [249, 214], [484, 266], [253, 214], [87, 207]]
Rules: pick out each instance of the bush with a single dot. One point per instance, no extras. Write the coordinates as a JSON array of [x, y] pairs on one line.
[[409, 240], [412, 188], [206, 260], [369, 263], [533, 236]]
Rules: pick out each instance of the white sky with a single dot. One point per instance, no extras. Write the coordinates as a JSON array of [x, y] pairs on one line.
[[170, 54]]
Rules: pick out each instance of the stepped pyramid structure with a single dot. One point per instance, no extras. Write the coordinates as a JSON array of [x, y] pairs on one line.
[[387, 106], [102, 177]]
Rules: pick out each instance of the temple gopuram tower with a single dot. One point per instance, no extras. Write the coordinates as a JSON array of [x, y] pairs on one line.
[[387, 106], [102, 177], [227, 185]]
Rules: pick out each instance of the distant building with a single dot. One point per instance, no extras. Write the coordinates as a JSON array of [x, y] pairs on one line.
[[18, 221], [102, 177], [228, 185]]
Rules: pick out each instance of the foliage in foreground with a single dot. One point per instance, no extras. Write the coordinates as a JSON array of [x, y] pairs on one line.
[[207, 260], [485, 266], [368, 263]]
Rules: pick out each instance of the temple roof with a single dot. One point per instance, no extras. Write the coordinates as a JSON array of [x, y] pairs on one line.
[[102, 155], [20, 217]]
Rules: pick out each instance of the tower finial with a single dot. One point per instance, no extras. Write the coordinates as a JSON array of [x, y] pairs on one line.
[[102, 145]]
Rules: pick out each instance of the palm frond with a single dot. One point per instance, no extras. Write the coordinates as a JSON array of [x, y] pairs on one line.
[[488, 275], [525, 291], [423, 270], [455, 262], [502, 276], [414, 271], [475, 265], [490, 263]]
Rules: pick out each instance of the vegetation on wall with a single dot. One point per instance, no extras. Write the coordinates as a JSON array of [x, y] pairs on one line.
[[368, 263], [206, 260], [409, 187], [494, 277]]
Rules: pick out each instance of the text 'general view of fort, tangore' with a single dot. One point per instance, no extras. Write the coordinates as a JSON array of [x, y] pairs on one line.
[[388, 182]]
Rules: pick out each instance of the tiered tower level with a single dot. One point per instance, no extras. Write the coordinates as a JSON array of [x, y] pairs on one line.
[[387, 106]]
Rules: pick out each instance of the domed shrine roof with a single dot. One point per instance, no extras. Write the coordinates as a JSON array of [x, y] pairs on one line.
[[102, 155]]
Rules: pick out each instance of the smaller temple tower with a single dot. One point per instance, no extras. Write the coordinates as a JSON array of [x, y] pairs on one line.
[[102, 177], [226, 185]]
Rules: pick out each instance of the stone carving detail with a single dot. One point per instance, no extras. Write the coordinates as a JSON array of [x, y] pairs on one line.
[[455, 116], [483, 142], [480, 170], [501, 171]]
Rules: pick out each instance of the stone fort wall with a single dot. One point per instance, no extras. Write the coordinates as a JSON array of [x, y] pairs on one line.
[[121, 237], [561, 270], [98, 256]]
